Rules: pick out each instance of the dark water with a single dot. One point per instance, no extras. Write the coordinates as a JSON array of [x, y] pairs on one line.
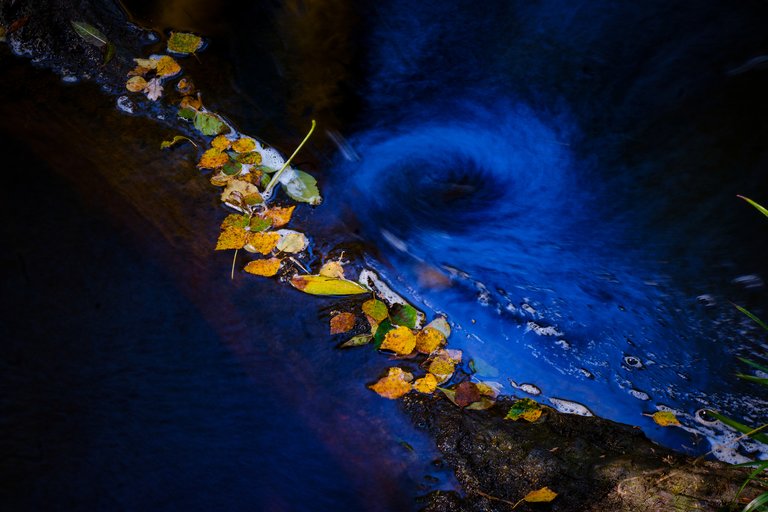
[[570, 169]]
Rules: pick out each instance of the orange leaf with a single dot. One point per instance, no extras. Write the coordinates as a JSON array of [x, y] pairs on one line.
[[543, 495], [426, 384], [428, 340], [394, 385], [266, 268], [221, 142], [213, 159], [244, 145], [342, 322], [399, 340], [231, 237], [136, 84], [166, 66], [262, 242], [280, 216]]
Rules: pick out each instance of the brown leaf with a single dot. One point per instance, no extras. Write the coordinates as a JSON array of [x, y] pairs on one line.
[[343, 322], [466, 393]]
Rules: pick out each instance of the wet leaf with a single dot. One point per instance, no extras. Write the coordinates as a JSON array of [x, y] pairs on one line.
[[221, 142], [427, 384], [252, 158], [175, 140], [234, 219], [525, 408], [441, 365], [237, 190], [231, 237], [322, 285], [167, 66], [266, 268], [357, 341], [244, 145], [184, 43], [232, 168], [136, 84], [279, 216], [185, 86], [262, 242], [482, 367], [342, 322], [480, 405], [375, 309], [195, 103], [332, 269], [109, 52], [209, 123], [146, 63], [404, 314], [89, 33], [259, 224], [381, 330], [428, 340], [302, 187], [441, 324], [396, 384], [154, 89], [489, 389], [665, 418], [187, 113], [543, 495], [213, 159], [291, 241], [466, 393], [399, 340]]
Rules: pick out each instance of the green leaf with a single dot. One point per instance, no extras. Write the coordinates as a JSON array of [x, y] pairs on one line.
[[404, 314], [751, 316], [752, 378], [176, 139], [184, 43], [187, 113], [754, 364], [302, 187], [322, 285], [744, 429], [266, 169], [209, 123], [232, 168], [357, 341], [759, 208], [260, 223], [109, 53], [761, 466], [526, 409], [89, 33], [756, 504], [375, 309], [384, 327]]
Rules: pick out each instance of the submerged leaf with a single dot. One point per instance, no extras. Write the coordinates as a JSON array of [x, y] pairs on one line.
[[89, 33], [543, 495], [209, 123], [394, 385], [322, 285], [527, 409], [343, 322], [357, 341], [665, 418], [109, 52], [399, 340], [184, 43], [266, 268]]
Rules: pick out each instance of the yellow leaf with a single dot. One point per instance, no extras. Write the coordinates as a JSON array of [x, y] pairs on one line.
[[428, 340], [237, 191], [442, 368], [426, 384], [323, 285], [399, 340], [146, 63], [665, 418], [136, 84], [231, 237], [543, 495], [280, 216], [525, 408], [220, 142], [244, 145], [167, 66], [343, 322], [375, 309], [262, 242], [266, 268], [184, 42], [394, 385], [332, 269], [213, 159]]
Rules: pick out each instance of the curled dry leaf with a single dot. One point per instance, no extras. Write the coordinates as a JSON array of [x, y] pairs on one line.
[[342, 322], [394, 385], [237, 190], [136, 84], [428, 340], [266, 268], [427, 384], [665, 418], [399, 340], [213, 159], [332, 269]]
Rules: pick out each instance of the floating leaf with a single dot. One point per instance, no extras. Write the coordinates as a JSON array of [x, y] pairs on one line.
[[301, 187], [136, 84], [527, 409], [375, 309], [209, 123], [232, 168], [759, 208], [394, 385], [185, 86], [167, 66], [184, 43], [427, 384], [195, 103], [244, 145], [343, 322], [428, 340], [187, 113], [280, 216], [291, 241], [466, 393], [357, 341], [221, 142], [238, 190], [252, 158], [441, 365], [146, 63], [332, 269], [235, 219], [213, 159], [231, 237], [399, 340], [489, 389], [263, 242], [266, 268], [175, 140], [322, 285], [665, 418], [404, 314], [381, 330], [257, 224], [543, 495], [154, 89], [89, 33], [109, 52], [441, 324]]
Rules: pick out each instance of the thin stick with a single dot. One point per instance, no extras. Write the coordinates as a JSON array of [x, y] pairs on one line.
[[268, 190], [234, 258]]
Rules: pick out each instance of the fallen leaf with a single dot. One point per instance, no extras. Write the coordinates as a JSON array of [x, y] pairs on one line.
[[184, 42], [176, 139], [266, 268], [466, 393], [187, 113], [221, 142], [332, 269], [428, 340], [404, 314], [252, 158], [136, 84], [89, 33], [399, 340], [280, 216], [234, 219], [231, 237], [154, 89], [301, 187], [381, 330], [394, 385], [427, 384], [291, 241], [209, 123], [665, 418], [185, 86], [375, 309], [244, 145], [191, 102], [237, 190], [441, 324], [146, 63], [232, 168], [490, 390], [322, 285], [357, 341], [109, 52], [442, 363], [543, 495], [343, 322], [167, 66], [525, 408], [262, 242], [213, 159]]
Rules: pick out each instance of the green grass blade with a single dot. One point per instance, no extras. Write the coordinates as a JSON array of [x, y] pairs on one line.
[[761, 209], [752, 378], [757, 503], [744, 429], [754, 364], [753, 317], [761, 465]]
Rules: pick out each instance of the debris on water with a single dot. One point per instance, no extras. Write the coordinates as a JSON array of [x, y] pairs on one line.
[[640, 395], [749, 282], [525, 387], [125, 104], [633, 361], [568, 407], [706, 300]]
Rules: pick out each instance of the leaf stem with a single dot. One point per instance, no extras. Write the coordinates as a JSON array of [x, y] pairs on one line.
[[234, 259], [268, 190]]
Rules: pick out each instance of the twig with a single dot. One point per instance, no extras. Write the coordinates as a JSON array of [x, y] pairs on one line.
[[267, 194], [234, 258]]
